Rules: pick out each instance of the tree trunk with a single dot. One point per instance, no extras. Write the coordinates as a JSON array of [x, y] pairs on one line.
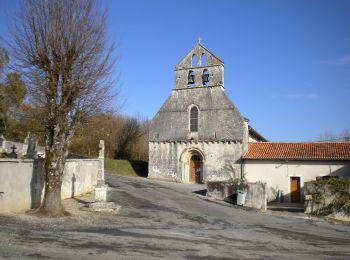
[[54, 166], [52, 205], [56, 153]]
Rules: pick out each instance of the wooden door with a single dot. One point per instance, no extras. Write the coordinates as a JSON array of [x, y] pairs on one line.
[[295, 189], [192, 171], [195, 168]]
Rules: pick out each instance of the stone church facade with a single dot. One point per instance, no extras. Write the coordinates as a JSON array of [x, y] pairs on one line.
[[198, 135]]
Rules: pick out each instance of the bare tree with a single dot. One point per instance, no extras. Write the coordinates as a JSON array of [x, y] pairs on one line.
[[328, 135], [132, 131], [60, 47]]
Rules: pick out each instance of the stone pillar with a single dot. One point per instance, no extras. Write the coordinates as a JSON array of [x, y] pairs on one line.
[[100, 204], [101, 187], [101, 163]]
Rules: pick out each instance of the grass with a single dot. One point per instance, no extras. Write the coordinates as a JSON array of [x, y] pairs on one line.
[[125, 167]]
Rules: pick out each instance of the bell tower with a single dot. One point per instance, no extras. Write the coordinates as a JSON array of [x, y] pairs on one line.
[[199, 69]]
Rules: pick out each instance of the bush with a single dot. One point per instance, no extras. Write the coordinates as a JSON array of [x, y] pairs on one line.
[[4, 155], [340, 187], [240, 184]]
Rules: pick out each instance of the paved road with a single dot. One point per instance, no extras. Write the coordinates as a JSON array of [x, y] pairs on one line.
[[168, 220]]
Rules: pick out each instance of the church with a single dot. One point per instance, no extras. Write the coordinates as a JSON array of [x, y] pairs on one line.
[[198, 136]]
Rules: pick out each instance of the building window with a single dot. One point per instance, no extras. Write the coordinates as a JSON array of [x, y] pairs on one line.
[[194, 119]]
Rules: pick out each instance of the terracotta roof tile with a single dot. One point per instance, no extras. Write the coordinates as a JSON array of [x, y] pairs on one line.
[[298, 151]]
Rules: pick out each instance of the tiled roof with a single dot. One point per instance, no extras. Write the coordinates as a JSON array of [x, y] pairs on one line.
[[254, 134], [298, 151]]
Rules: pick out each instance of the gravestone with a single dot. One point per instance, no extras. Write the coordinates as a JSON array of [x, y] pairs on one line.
[[25, 145], [13, 154], [2, 143], [31, 146]]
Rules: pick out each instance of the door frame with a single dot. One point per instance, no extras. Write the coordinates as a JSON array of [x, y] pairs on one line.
[[184, 163], [300, 187]]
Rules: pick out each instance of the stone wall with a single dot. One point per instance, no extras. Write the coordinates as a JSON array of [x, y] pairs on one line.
[[167, 160], [218, 118], [256, 196], [226, 191], [328, 198], [22, 181]]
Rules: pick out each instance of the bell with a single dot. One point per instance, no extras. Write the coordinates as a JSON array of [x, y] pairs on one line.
[[190, 79], [205, 78]]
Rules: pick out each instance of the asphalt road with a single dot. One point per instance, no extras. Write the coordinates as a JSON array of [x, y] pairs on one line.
[[167, 220]]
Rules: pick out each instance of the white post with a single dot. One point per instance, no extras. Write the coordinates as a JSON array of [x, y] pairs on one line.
[[101, 164], [101, 187]]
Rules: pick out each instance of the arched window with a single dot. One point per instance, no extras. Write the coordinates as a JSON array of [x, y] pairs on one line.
[[191, 81], [205, 77], [194, 119], [194, 61], [203, 60]]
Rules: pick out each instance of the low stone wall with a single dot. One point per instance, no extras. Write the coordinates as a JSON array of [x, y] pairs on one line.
[[221, 191], [226, 191], [330, 199], [256, 196], [22, 181], [80, 177]]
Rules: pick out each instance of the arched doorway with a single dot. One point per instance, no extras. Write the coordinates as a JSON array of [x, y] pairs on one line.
[[192, 166]]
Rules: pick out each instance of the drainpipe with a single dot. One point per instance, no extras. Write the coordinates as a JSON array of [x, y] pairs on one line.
[[245, 141]]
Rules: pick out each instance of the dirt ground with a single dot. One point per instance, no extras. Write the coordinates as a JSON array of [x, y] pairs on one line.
[[168, 220]]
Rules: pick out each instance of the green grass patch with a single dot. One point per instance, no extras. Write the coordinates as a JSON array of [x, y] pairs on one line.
[[127, 168]]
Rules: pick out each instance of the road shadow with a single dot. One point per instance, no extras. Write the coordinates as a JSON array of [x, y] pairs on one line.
[[140, 168], [286, 207], [85, 203], [37, 183], [201, 192]]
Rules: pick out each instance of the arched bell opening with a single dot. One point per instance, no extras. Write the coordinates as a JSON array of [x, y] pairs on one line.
[[205, 77], [191, 79]]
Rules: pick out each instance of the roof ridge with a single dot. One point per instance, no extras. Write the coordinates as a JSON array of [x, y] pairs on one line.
[[298, 150], [313, 142]]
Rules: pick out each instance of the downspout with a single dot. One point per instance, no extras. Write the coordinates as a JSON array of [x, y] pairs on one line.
[[242, 168], [245, 141]]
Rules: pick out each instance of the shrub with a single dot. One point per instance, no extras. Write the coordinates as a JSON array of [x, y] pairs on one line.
[[340, 187], [4, 155]]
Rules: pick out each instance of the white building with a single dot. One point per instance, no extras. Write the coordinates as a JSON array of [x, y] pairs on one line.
[[285, 167]]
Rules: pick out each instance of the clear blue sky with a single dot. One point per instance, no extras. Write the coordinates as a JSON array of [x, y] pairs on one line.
[[287, 63]]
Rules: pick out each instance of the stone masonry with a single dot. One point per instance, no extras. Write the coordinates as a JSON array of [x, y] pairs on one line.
[[221, 136]]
